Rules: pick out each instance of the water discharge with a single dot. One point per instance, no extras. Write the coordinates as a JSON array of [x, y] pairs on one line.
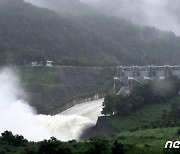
[[17, 116]]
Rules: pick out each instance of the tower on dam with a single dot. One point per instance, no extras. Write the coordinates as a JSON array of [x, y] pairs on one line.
[[131, 76]]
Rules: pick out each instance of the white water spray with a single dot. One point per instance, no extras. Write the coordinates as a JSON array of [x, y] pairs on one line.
[[17, 116]]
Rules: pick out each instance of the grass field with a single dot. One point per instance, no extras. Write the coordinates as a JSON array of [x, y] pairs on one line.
[[144, 116], [140, 140], [39, 75], [149, 140]]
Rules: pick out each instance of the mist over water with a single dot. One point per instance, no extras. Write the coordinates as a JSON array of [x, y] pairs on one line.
[[17, 116]]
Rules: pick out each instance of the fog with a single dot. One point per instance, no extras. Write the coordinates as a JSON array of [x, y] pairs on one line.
[[163, 14], [17, 116], [64, 7]]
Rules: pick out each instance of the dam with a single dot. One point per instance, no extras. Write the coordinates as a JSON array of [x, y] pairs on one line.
[[130, 76]]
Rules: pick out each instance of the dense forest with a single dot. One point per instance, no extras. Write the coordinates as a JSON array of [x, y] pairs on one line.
[[15, 144], [18, 144], [29, 33]]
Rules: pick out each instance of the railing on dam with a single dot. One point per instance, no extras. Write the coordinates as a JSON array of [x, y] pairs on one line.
[[135, 74]]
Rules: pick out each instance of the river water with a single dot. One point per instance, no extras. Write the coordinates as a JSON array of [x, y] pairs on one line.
[[71, 123]]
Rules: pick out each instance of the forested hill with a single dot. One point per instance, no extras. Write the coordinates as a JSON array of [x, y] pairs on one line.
[[29, 33]]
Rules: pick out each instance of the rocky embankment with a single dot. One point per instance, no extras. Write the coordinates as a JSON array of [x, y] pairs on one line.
[[102, 128]]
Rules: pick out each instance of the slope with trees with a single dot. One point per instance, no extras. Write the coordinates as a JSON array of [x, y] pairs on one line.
[[29, 33]]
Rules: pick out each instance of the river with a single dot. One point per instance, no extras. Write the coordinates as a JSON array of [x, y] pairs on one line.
[[71, 123]]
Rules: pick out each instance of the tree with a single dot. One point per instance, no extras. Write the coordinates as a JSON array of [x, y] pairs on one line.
[[117, 148], [10, 139], [99, 145]]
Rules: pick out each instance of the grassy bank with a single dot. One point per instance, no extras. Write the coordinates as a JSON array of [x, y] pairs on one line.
[[144, 116], [58, 85], [147, 141]]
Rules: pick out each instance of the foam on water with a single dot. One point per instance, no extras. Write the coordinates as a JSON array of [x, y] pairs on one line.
[[17, 116]]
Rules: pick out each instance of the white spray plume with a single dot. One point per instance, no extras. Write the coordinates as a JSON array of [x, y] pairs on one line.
[[17, 116]]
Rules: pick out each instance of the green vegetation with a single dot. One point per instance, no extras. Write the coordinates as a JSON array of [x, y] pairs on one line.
[[149, 140], [45, 76], [147, 118], [49, 87], [150, 105], [140, 142], [29, 33], [138, 119], [142, 130], [146, 93], [17, 144]]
